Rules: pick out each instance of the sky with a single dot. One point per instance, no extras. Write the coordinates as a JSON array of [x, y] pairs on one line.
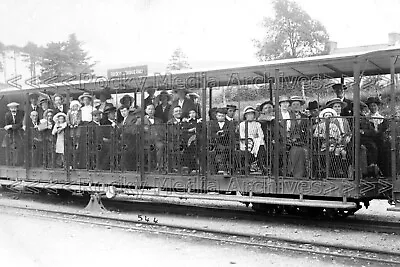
[[211, 33]]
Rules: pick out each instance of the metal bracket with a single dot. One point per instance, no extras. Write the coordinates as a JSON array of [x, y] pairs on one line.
[[95, 204]]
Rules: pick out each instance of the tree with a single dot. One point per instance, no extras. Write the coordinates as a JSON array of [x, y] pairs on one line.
[[291, 33], [33, 55], [178, 61], [65, 60]]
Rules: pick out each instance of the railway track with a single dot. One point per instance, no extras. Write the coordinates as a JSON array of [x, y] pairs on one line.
[[238, 213], [359, 255]]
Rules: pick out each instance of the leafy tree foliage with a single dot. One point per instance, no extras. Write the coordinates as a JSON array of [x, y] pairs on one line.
[[64, 60], [178, 61], [32, 55], [291, 33]]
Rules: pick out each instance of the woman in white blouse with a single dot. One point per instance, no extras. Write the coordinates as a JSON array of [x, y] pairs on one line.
[[87, 108], [252, 138]]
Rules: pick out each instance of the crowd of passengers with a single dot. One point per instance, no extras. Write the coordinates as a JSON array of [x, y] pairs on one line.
[[313, 140]]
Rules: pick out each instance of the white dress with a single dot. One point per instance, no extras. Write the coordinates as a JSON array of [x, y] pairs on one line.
[[254, 132], [60, 137]]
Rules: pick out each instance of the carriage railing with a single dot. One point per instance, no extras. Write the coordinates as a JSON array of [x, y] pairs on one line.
[[305, 149]]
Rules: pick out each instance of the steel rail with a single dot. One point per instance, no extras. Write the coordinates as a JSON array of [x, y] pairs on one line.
[[232, 237]]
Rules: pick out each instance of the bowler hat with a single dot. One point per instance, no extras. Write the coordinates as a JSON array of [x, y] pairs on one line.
[[231, 107], [339, 86], [221, 110], [313, 105], [109, 108]]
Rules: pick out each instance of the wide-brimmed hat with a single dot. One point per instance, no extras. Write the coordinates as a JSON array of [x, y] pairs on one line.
[[73, 103], [373, 99], [297, 99], [58, 115], [249, 109], [85, 95], [313, 105], [193, 95], [339, 86], [12, 104], [284, 98], [105, 92], [327, 110], [164, 93], [335, 100], [266, 103], [109, 109], [122, 100]]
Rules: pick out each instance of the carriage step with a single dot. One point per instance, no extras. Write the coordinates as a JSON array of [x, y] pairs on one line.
[[396, 199]]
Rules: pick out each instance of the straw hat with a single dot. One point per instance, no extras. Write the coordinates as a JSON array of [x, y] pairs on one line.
[[248, 109], [327, 110], [73, 103], [284, 98], [268, 102], [297, 99], [85, 95], [96, 102], [58, 115], [335, 100], [12, 104]]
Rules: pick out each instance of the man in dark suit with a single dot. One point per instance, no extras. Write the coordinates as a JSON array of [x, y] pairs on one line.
[[14, 138], [154, 136], [174, 139], [35, 139], [339, 91], [184, 102], [33, 100], [150, 98], [129, 137], [110, 150], [163, 109], [95, 144], [222, 134]]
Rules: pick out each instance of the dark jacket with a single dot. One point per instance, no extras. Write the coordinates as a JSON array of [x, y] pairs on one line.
[[163, 115], [224, 136], [348, 110]]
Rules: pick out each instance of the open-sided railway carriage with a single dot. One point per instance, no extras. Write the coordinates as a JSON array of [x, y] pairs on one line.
[[128, 160]]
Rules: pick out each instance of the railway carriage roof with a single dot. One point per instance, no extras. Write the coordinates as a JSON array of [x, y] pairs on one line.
[[327, 66]]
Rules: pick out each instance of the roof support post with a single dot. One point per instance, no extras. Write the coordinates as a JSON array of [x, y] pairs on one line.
[[356, 109], [204, 148], [393, 123], [277, 147]]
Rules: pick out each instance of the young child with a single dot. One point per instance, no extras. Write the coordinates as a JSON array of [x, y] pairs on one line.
[[74, 119], [59, 129], [334, 142]]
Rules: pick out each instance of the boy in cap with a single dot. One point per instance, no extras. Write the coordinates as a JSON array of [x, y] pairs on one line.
[[222, 137]]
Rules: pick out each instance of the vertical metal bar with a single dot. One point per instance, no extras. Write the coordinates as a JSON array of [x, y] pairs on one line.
[[393, 123], [204, 141], [141, 144], [270, 90], [209, 94], [356, 109], [277, 148], [246, 154], [27, 137], [327, 147], [67, 145]]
